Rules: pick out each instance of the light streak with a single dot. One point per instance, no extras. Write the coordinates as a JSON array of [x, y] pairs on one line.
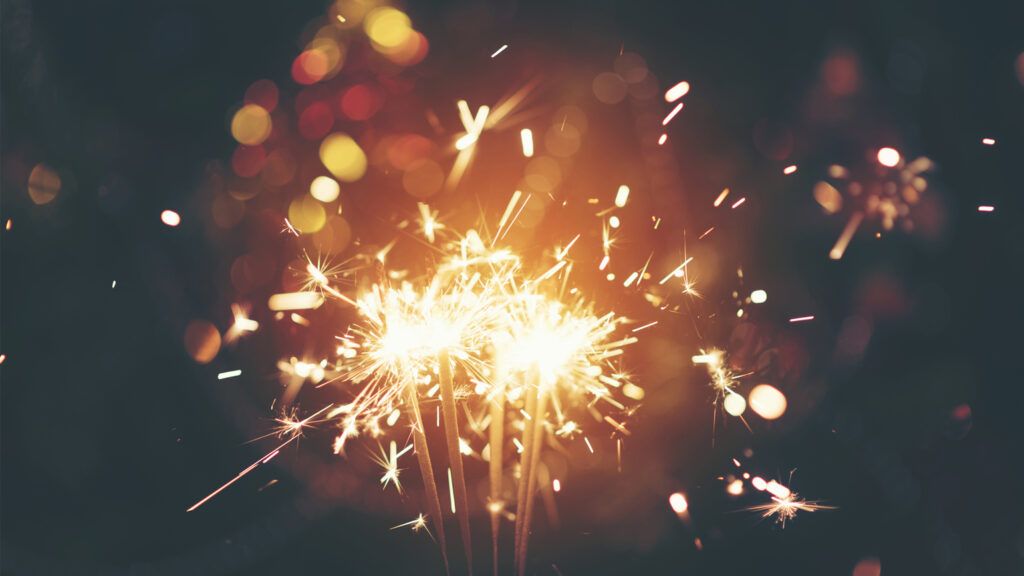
[[984, 208], [229, 374], [676, 92], [721, 197], [668, 118], [791, 169], [500, 50], [526, 136], [800, 319]]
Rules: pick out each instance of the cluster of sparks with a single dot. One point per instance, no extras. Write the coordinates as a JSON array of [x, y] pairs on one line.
[[508, 352]]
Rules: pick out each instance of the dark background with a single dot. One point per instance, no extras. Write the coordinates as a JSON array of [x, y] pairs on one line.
[[108, 432]]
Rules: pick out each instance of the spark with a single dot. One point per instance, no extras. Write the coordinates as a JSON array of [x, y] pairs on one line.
[[622, 196], [675, 271], [662, 139], [676, 92], [988, 141], [843, 241], [985, 208], [229, 374], [678, 503], [888, 157], [526, 136], [721, 197], [789, 169], [800, 319], [739, 203], [241, 324], [706, 232], [644, 327], [416, 524], [170, 218], [672, 114], [499, 50], [785, 509]]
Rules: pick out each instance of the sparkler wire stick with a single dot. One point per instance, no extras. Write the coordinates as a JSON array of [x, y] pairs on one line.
[[419, 439], [524, 467], [497, 440], [451, 429], [531, 482]]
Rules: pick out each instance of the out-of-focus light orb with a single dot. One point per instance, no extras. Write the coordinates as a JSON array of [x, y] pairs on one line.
[[251, 125], [411, 52], [343, 157], [360, 102], [734, 404], [869, 566], [388, 28], [307, 215], [735, 488], [767, 401], [614, 222], [758, 296], [423, 179], [888, 157], [609, 87], [334, 237], [316, 121], [247, 161], [828, 197], [678, 91], [170, 218], [556, 485], [759, 483], [262, 93], [324, 189], [202, 341], [310, 67], [43, 184], [678, 503]]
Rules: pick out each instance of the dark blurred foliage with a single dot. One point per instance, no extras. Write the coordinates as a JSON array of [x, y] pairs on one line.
[[904, 394]]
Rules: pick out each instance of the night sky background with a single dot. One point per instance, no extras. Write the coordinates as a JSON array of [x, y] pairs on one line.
[[109, 430]]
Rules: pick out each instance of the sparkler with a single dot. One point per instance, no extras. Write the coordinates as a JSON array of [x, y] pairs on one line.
[[500, 342]]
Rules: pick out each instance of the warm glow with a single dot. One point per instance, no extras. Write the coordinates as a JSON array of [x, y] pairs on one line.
[[767, 401], [343, 157], [888, 157], [324, 189], [678, 503]]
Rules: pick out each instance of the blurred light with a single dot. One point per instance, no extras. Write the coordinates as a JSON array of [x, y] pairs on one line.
[[306, 215], [360, 102], [170, 217], [759, 483], [609, 88], [388, 28], [247, 161], [988, 141], [758, 296], [324, 189], [676, 92], [334, 237], [556, 485], [43, 184], [888, 157], [868, 567], [526, 135], [678, 503], [316, 121], [295, 301], [202, 341], [767, 401], [614, 222], [828, 197], [777, 490], [734, 404], [262, 93], [496, 52], [343, 157], [668, 118], [662, 139], [986, 208], [789, 169], [310, 66], [622, 196], [735, 488], [423, 179], [251, 125]]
